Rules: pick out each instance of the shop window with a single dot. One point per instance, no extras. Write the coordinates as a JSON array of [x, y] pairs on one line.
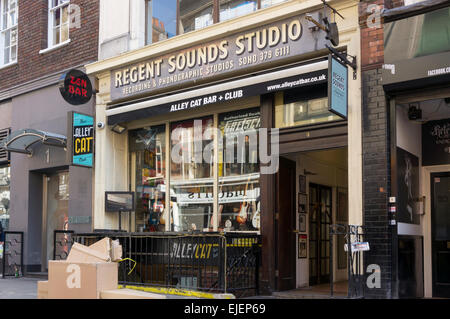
[[5, 178], [233, 9], [239, 190], [191, 175], [147, 151], [302, 107], [8, 40], [161, 20], [58, 22], [195, 15]]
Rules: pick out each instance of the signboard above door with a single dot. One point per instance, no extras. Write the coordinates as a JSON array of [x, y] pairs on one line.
[[240, 53]]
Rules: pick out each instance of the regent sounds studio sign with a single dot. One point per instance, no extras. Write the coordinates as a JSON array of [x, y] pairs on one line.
[[238, 53], [75, 87]]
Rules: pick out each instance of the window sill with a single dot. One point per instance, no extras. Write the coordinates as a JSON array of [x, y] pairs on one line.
[[7, 65], [55, 47]]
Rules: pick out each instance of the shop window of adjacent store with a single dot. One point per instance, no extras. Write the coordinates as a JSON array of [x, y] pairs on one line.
[[161, 20], [58, 22], [8, 40], [147, 155], [300, 107], [191, 174], [195, 15], [5, 178], [239, 190]]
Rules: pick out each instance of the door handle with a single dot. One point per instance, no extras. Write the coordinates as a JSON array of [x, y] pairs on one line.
[[296, 231]]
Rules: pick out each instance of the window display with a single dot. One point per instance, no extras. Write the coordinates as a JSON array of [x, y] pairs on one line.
[[191, 177], [239, 191], [148, 150]]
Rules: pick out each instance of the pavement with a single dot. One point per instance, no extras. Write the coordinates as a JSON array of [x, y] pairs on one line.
[[18, 288]]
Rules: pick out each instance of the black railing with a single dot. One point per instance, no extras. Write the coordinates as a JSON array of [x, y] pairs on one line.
[[12, 263], [62, 242], [355, 273], [210, 262]]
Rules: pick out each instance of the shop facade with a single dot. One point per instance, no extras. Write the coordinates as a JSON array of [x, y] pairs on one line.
[[227, 129]]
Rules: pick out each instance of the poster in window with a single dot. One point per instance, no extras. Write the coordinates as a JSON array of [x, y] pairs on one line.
[[408, 187], [302, 223]]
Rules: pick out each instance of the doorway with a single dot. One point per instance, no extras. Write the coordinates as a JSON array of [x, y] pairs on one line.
[[320, 207], [55, 211], [440, 233]]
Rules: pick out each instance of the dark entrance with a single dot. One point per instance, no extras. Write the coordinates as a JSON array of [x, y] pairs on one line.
[[319, 224], [440, 232], [285, 219]]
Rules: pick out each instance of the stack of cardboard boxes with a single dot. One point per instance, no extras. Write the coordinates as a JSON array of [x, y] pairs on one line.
[[89, 272]]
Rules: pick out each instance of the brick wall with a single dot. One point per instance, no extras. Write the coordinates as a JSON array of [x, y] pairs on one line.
[[32, 37], [376, 147]]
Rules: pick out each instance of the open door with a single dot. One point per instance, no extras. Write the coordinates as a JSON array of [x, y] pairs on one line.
[[285, 225]]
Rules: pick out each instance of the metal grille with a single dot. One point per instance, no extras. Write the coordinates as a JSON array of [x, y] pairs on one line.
[[13, 254], [4, 155]]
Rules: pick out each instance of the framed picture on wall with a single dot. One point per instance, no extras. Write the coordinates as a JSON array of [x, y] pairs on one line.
[[302, 223], [302, 184], [302, 246], [302, 202]]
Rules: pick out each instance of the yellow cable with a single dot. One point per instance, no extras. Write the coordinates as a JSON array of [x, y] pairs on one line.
[[132, 261]]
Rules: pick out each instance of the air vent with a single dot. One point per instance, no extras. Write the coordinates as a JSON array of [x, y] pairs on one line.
[[4, 155]]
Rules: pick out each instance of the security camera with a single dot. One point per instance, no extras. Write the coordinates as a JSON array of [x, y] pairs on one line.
[[100, 125]]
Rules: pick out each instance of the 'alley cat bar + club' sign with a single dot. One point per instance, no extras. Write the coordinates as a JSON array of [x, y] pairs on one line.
[[81, 142], [265, 46]]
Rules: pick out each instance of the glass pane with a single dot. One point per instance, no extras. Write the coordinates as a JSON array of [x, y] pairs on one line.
[[5, 21], [6, 56], [161, 20], [57, 207], [191, 176], [195, 14], [7, 38], [13, 53], [299, 107], [56, 17], [14, 36], [234, 9], [56, 35], [239, 190], [148, 145], [64, 32], [5, 196], [65, 14], [268, 3]]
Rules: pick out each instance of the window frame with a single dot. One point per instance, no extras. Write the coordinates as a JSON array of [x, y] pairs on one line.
[[50, 27], [3, 32]]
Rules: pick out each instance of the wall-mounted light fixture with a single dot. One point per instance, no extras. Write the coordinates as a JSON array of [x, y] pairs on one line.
[[119, 129]]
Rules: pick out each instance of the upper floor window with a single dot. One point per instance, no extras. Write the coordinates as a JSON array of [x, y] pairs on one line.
[[58, 22], [8, 41], [167, 18], [161, 20]]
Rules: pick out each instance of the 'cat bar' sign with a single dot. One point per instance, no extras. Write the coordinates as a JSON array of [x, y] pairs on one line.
[[75, 87]]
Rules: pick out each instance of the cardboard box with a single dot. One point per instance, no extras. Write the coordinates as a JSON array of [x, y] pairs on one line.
[[102, 246], [42, 290], [67, 280], [129, 294], [83, 254]]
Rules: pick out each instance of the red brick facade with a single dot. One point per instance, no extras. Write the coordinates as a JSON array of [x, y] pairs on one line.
[[32, 38]]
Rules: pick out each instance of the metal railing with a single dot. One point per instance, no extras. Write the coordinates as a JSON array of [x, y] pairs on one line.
[[355, 272], [12, 263], [212, 262]]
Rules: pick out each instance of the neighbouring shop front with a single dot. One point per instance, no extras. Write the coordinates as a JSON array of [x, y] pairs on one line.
[[214, 137], [42, 187], [416, 79]]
